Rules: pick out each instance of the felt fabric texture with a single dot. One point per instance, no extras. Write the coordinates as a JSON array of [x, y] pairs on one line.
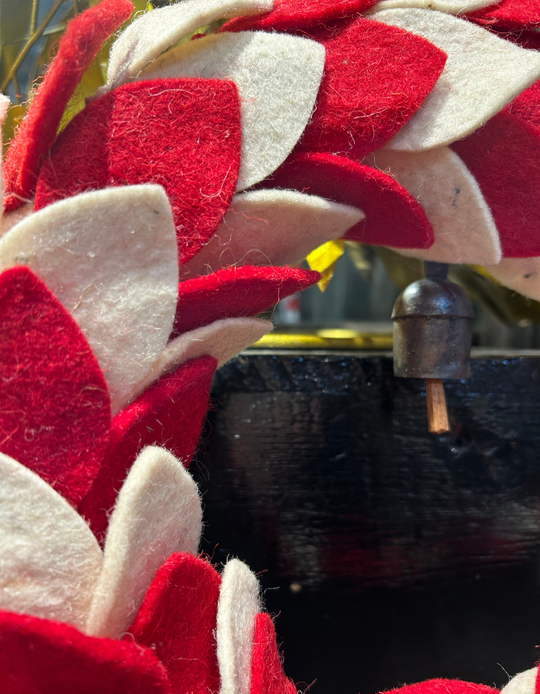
[[443, 686], [267, 676], [4, 105], [222, 339], [238, 607], [509, 14], [526, 106], [368, 95], [55, 413], [8, 220], [191, 147], [393, 216], [522, 683], [235, 292], [157, 512], [40, 656], [461, 219], [277, 98], [50, 560], [504, 157], [520, 274], [155, 32], [291, 14], [110, 258], [170, 414], [272, 227], [177, 620], [450, 6], [483, 73], [80, 44]]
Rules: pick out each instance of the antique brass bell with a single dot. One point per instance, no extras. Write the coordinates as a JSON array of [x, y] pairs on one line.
[[432, 337]]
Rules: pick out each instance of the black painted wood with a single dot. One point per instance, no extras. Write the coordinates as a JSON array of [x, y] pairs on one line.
[[391, 555]]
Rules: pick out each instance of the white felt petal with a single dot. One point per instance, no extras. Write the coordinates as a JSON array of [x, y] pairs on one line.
[[222, 339], [272, 227], [520, 274], [111, 258], [461, 219], [50, 561], [4, 105], [238, 607], [523, 683], [483, 73], [156, 31], [278, 78], [158, 512], [450, 6]]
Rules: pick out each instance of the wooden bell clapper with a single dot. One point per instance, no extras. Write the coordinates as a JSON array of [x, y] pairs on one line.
[[432, 337]]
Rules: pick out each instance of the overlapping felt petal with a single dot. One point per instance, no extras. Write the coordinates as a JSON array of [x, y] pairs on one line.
[[522, 683], [178, 621], [509, 14], [267, 676], [526, 106], [520, 274], [272, 227], [238, 607], [55, 409], [222, 339], [157, 513], [393, 217], [50, 560], [461, 219], [293, 14], [110, 257], [450, 6], [504, 157], [169, 414], [38, 655], [234, 292], [155, 32], [191, 147], [277, 76], [483, 74], [367, 95], [79, 45], [442, 686]]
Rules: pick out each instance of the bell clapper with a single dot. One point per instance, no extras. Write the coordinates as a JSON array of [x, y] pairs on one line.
[[436, 407]]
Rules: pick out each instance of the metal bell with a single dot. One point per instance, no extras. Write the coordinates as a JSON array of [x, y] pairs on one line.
[[432, 328]]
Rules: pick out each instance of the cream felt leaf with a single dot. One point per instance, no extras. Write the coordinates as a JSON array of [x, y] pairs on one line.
[[483, 73], [522, 683], [222, 339], [272, 227], [156, 31], [278, 78], [111, 259], [50, 561], [454, 205], [157, 513], [450, 6], [520, 274], [238, 607]]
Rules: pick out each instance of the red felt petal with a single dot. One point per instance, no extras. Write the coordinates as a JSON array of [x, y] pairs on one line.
[[504, 157], [267, 676], [393, 216], [55, 408], [367, 95], [291, 14], [525, 39], [509, 14], [235, 292], [42, 657], [526, 106], [169, 414], [83, 38], [178, 621], [184, 134], [440, 686]]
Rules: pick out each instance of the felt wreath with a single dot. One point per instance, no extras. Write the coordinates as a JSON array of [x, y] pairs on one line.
[[137, 248]]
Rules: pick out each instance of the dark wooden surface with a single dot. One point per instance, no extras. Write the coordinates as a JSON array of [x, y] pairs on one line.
[[389, 555]]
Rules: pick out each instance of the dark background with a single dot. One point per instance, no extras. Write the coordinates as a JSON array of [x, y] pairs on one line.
[[388, 555]]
